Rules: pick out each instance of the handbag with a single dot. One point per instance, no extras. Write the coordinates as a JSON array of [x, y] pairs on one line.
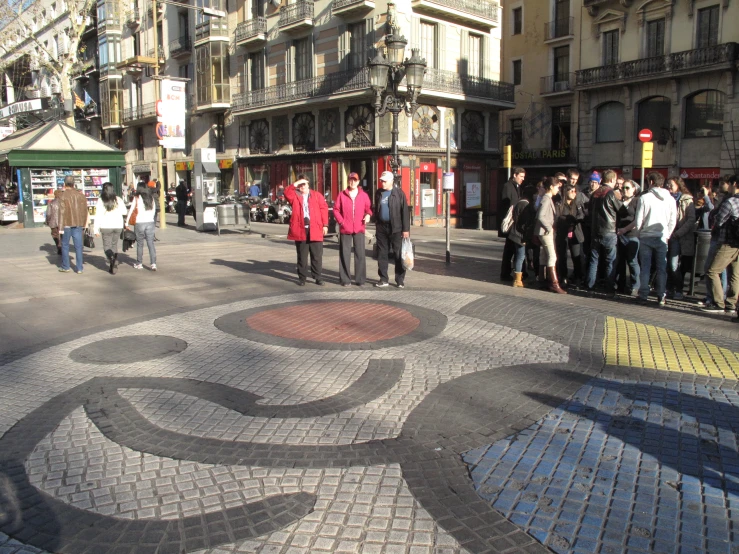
[[134, 213], [89, 239]]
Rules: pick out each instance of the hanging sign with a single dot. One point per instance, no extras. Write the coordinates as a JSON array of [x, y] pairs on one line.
[[448, 181], [172, 115]]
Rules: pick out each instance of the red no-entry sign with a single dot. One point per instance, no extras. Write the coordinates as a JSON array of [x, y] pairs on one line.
[[645, 135]]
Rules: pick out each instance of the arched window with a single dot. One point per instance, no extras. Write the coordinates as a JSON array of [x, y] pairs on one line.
[[704, 114], [609, 122], [654, 114]]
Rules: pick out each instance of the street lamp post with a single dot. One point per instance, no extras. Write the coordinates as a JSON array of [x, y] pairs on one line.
[[386, 75]]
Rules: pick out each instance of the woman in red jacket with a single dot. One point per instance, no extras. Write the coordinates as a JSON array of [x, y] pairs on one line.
[[308, 226], [352, 212]]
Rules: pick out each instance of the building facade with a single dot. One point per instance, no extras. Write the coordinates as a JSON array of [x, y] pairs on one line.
[[665, 66], [541, 52]]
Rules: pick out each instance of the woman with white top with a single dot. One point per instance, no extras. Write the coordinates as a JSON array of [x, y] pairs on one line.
[[109, 213], [143, 205]]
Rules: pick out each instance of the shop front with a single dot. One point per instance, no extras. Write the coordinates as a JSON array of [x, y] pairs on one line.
[[698, 177], [40, 158]]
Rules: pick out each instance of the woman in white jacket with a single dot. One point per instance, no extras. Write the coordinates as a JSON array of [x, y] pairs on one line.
[[143, 205], [109, 213]]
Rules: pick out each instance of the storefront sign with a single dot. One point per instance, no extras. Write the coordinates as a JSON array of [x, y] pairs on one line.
[[700, 173], [172, 115], [5, 131], [473, 197], [472, 166], [184, 166], [427, 167], [25, 106], [303, 168], [543, 156], [141, 168], [225, 164]]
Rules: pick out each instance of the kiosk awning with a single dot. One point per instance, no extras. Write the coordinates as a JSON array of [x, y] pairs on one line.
[[211, 167]]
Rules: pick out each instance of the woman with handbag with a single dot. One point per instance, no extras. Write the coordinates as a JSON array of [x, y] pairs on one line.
[[544, 232], [109, 213], [141, 216]]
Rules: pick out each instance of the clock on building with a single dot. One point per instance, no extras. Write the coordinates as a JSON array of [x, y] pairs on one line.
[[473, 130], [360, 126], [259, 137], [304, 132], [425, 126]]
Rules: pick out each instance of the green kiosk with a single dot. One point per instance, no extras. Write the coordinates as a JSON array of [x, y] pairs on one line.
[[39, 158]]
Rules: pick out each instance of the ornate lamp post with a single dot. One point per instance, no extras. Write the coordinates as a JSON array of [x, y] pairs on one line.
[[386, 75]]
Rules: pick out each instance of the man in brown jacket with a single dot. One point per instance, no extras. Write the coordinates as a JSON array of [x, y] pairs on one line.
[[73, 218]]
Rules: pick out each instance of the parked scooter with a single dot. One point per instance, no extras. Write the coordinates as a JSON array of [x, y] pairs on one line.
[[279, 211], [263, 210]]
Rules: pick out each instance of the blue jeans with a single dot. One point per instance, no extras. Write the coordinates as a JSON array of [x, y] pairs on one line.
[[76, 234], [652, 249], [606, 246], [145, 232], [519, 257], [709, 258]]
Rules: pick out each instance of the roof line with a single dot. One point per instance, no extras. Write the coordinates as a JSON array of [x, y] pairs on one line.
[[69, 140], [41, 134]]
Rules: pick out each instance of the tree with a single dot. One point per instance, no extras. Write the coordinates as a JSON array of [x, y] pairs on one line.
[[45, 37]]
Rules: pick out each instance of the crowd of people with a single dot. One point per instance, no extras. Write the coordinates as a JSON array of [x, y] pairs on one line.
[[620, 238]]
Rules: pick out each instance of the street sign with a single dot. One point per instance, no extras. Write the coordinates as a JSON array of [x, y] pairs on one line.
[[646, 155], [448, 182], [507, 155], [645, 135]]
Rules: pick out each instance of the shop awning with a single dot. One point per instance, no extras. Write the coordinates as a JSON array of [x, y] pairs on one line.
[[211, 167], [56, 144]]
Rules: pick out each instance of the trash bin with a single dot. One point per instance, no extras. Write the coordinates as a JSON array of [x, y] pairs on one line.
[[226, 215]]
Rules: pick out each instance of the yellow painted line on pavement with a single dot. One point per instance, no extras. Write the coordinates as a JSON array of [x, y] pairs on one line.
[[638, 345]]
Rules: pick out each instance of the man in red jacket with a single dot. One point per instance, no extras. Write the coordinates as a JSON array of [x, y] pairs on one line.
[[352, 212], [308, 226]]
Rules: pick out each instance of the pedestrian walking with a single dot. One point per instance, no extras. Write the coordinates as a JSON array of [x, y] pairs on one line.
[[509, 197], [109, 213], [52, 220], [568, 234], [681, 246], [544, 230], [308, 226], [627, 250], [73, 219], [142, 212], [604, 205], [726, 256], [392, 226], [181, 194], [352, 210], [656, 214], [522, 228]]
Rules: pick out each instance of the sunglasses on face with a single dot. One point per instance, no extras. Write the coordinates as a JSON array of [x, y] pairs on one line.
[[627, 187]]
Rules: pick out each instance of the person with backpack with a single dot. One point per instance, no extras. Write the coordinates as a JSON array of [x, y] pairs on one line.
[[508, 198], [727, 253], [520, 230]]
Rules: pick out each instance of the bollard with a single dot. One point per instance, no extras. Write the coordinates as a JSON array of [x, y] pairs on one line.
[[422, 218], [479, 220]]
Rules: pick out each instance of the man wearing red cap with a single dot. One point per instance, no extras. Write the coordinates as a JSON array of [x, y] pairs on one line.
[[352, 212], [392, 225]]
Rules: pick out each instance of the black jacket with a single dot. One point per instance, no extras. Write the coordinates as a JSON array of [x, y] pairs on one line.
[[569, 220], [524, 217], [400, 220], [626, 214], [603, 209], [508, 197]]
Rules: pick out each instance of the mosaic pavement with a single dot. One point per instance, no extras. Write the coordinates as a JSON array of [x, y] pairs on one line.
[[465, 423]]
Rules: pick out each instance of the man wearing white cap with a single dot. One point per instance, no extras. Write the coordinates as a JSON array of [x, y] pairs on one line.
[[392, 225]]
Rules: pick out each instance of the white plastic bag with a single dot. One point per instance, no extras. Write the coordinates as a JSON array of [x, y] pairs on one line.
[[406, 254]]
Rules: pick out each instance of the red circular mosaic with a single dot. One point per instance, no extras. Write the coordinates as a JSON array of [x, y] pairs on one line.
[[335, 322]]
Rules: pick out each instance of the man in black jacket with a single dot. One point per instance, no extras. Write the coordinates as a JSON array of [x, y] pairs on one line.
[[509, 196], [604, 205], [393, 224]]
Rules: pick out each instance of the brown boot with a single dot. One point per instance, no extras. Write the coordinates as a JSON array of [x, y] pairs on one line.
[[518, 280], [553, 282]]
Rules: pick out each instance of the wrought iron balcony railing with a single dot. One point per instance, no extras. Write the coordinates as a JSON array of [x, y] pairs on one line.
[[326, 85], [180, 46], [485, 9], [294, 13], [133, 17], [341, 4], [554, 84], [688, 60], [449, 81], [144, 111], [559, 28], [250, 29]]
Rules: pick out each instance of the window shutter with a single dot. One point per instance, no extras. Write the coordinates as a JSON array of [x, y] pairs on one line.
[[343, 61], [311, 53], [464, 51], [441, 47], [486, 68], [289, 53], [416, 32], [369, 33]]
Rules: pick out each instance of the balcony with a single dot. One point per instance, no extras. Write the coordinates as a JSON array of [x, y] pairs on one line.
[[558, 29], [452, 83], [218, 100], [251, 32], [351, 8], [338, 83], [557, 84], [111, 21], [91, 111], [160, 10], [140, 114], [180, 47], [712, 58], [151, 54], [213, 29], [133, 18], [296, 17], [481, 14]]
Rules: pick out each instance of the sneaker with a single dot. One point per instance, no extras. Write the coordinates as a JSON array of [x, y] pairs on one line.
[[678, 296], [138, 266], [153, 267], [319, 282], [62, 270], [713, 310], [401, 286], [301, 282], [345, 284], [663, 300], [79, 272], [381, 284]]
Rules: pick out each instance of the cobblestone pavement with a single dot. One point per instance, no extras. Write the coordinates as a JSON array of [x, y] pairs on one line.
[[413, 421]]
